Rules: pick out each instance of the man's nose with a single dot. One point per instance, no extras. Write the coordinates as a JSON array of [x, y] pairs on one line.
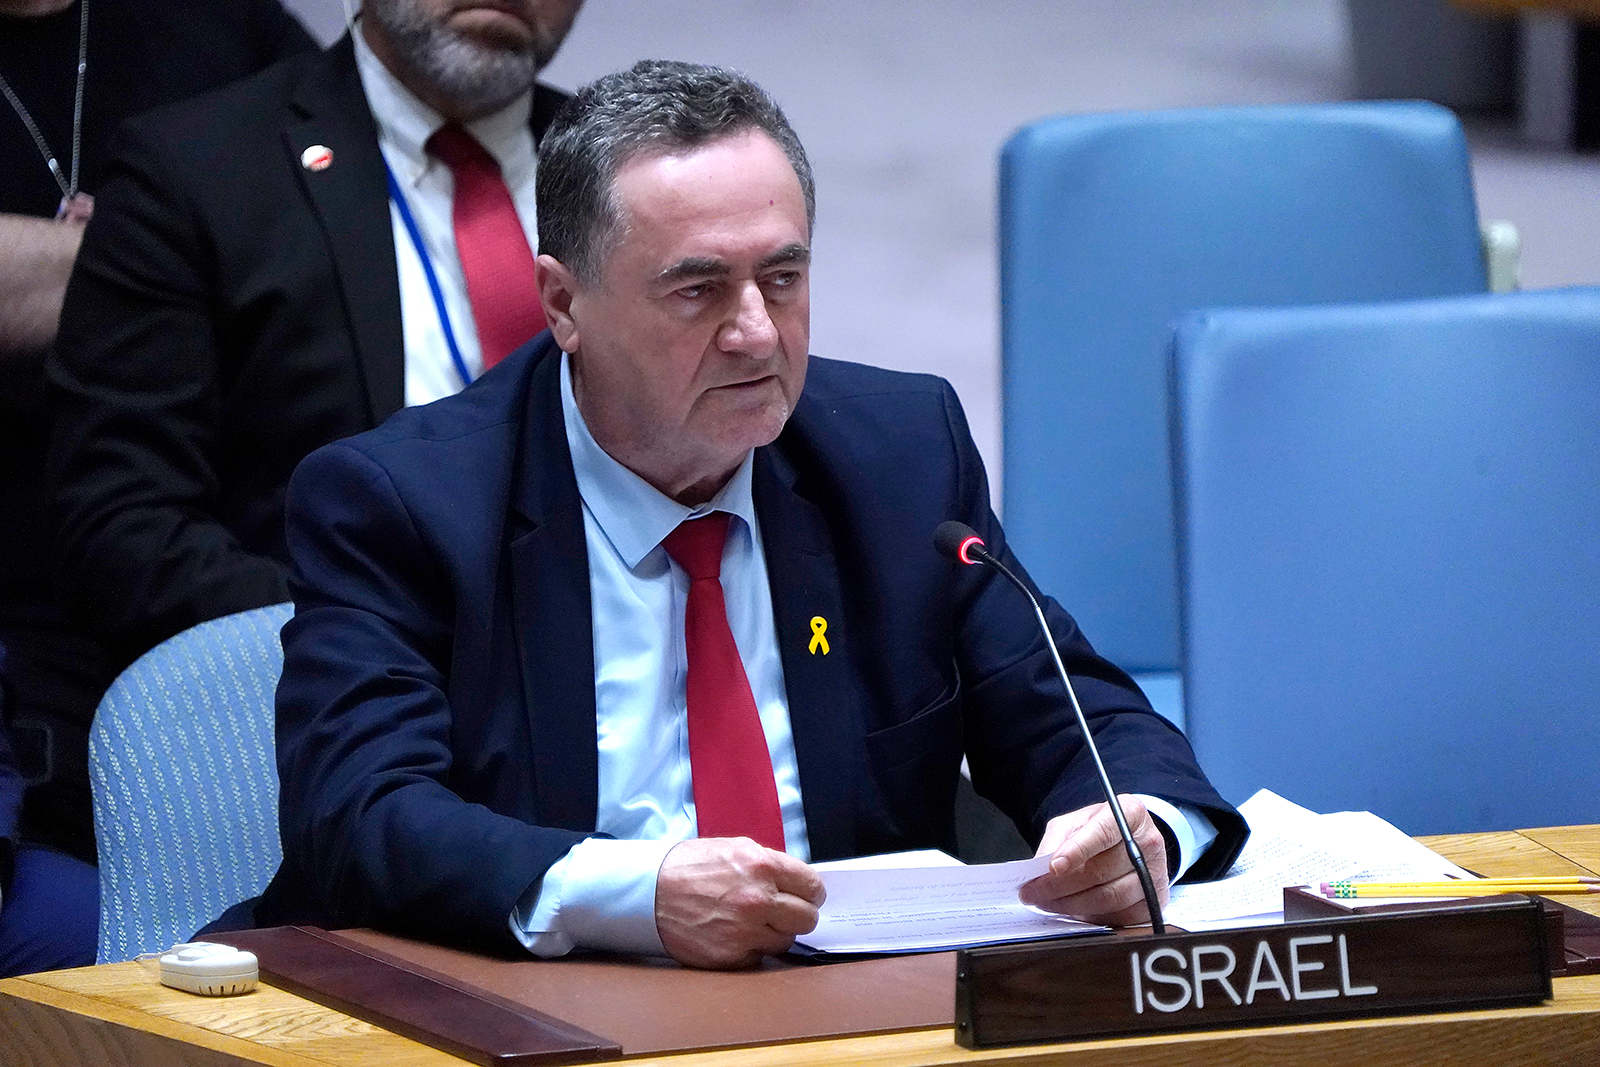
[[751, 330]]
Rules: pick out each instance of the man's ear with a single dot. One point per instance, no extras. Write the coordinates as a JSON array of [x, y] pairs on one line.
[[557, 287]]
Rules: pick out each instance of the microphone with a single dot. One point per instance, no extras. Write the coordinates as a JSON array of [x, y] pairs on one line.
[[962, 543]]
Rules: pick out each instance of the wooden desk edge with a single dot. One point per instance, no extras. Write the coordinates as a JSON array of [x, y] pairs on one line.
[[89, 1029], [93, 1025], [98, 1036], [1579, 8], [101, 1029]]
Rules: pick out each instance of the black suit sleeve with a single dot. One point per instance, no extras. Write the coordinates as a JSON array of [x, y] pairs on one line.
[[373, 831], [137, 382]]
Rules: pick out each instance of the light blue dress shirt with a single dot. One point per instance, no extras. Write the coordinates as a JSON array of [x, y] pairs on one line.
[[601, 894]]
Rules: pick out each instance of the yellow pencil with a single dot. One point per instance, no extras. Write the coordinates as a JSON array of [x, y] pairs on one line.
[[1458, 887], [1536, 879]]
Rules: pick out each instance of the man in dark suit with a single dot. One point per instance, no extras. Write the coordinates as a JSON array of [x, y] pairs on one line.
[[55, 130], [602, 651], [249, 289]]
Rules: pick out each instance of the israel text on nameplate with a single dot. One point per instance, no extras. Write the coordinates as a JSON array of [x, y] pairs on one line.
[[1476, 956]]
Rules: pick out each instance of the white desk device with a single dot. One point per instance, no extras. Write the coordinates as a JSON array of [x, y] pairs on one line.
[[209, 969]]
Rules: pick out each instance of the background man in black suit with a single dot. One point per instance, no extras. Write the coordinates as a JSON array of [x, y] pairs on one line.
[[488, 722], [247, 291], [137, 55]]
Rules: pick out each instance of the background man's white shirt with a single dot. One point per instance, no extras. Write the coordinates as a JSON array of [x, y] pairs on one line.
[[404, 125]]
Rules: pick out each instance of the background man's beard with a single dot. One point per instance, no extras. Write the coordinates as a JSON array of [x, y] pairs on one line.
[[478, 78]]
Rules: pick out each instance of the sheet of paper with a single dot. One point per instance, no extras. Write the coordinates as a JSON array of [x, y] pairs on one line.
[[911, 901], [1268, 811], [1387, 854], [1252, 891], [924, 857], [913, 906], [1291, 845]]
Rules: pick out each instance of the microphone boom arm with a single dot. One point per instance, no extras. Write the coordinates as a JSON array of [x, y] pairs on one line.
[[975, 549]]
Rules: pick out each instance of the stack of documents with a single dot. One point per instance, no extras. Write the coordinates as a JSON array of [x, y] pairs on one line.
[[927, 902], [1290, 845]]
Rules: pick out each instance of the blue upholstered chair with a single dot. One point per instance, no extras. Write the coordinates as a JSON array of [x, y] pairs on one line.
[[1389, 532], [1111, 226], [185, 782]]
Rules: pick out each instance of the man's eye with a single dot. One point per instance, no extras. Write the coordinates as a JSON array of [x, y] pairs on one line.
[[783, 279], [694, 292]]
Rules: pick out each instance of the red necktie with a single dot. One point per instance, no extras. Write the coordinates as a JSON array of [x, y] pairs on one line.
[[734, 792], [495, 257]]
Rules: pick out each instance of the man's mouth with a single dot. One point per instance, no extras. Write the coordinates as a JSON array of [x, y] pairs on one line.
[[505, 23], [749, 383]]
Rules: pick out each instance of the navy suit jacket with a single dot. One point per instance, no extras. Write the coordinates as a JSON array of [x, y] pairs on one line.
[[436, 718]]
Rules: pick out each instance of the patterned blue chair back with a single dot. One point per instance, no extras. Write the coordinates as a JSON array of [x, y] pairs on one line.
[[185, 784]]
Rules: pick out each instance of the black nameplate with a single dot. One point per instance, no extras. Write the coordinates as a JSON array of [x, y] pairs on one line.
[[1482, 955]]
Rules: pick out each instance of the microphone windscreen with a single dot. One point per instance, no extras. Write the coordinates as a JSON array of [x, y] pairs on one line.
[[950, 536]]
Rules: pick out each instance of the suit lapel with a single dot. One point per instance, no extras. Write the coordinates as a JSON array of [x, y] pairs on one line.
[[551, 611], [826, 700], [546, 102], [553, 619], [350, 199]]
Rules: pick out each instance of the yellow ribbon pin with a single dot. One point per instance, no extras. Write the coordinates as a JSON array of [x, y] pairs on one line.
[[819, 629]]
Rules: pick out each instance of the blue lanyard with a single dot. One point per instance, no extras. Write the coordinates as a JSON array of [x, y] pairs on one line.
[[427, 269]]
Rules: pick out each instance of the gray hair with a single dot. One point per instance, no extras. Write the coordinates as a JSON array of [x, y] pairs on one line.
[[657, 106]]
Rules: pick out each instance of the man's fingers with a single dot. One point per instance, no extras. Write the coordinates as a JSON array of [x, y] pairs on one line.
[[1097, 833], [791, 916], [1118, 902], [1060, 828], [1091, 876], [726, 902], [1106, 866], [791, 876]]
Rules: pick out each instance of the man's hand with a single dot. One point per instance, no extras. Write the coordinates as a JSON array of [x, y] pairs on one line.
[[36, 257], [725, 902], [1091, 877]]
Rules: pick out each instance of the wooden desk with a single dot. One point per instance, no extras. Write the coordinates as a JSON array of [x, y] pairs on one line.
[[1581, 8], [119, 1014]]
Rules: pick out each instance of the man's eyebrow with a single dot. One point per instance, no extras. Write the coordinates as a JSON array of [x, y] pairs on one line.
[[706, 267], [693, 267], [795, 254]]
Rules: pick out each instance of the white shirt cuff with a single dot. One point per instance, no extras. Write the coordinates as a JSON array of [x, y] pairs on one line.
[[600, 895], [1189, 825]]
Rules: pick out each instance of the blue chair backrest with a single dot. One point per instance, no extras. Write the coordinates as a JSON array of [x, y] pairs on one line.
[[185, 783], [1390, 543], [1111, 226]]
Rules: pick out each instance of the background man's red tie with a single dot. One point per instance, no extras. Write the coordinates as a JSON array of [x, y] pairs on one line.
[[734, 792], [494, 251]]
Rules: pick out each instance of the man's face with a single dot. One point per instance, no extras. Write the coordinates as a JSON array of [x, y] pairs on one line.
[[690, 349], [478, 54]]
